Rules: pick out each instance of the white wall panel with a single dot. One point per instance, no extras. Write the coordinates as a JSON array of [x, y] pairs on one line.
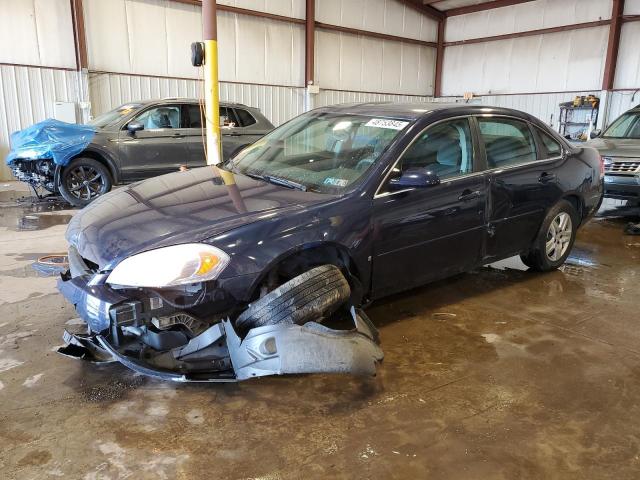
[[37, 32], [27, 96], [384, 16], [288, 8], [108, 91], [563, 61], [353, 62], [333, 97], [628, 66], [620, 102], [152, 37], [526, 16], [632, 7]]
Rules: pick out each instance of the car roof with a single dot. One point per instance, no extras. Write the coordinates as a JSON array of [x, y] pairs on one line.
[[185, 100], [413, 111]]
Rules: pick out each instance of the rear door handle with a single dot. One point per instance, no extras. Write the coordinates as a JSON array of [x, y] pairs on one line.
[[468, 195], [547, 177]]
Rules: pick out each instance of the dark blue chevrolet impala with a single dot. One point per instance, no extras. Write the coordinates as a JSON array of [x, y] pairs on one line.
[[190, 278]]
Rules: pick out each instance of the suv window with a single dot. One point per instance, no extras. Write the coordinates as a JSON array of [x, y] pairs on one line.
[[164, 116], [445, 148], [507, 142], [193, 117], [228, 118], [245, 117]]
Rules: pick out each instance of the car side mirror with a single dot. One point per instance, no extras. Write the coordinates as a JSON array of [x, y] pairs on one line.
[[595, 133], [414, 178], [134, 127]]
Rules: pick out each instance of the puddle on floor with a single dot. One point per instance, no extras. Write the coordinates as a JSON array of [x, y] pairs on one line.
[[19, 212]]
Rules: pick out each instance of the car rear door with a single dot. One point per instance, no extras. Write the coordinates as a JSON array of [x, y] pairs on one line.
[[522, 175], [159, 148], [427, 233]]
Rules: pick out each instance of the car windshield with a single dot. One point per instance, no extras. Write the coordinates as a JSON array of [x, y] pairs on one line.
[[322, 152], [626, 126], [114, 117]]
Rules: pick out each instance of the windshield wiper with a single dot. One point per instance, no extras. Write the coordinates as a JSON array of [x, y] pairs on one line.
[[277, 181], [285, 182]]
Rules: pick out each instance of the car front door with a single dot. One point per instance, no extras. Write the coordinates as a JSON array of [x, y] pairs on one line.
[[523, 183], [160, 147], [423, 234]]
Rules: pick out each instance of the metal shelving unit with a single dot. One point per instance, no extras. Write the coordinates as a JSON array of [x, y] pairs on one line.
[[575, 119]]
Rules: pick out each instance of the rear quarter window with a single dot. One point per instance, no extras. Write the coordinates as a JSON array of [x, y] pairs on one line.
[[246, 119]]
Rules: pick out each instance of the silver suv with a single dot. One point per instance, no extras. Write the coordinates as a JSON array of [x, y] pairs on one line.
[[619, 145]]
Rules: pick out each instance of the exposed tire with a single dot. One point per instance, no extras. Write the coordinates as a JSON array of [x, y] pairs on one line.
[[84, 180], [555, 239], [313, 295]]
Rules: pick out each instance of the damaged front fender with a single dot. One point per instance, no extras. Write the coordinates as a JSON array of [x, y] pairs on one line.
[[268, 350]]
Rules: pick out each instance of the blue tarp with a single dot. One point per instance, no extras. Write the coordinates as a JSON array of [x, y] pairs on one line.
[[51, 138]]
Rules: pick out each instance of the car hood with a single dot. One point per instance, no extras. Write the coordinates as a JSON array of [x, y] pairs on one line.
[[180, 207], [616, 147]]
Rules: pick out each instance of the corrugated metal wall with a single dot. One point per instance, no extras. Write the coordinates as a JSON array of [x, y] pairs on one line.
[[526, 16], [108, 91], [27, 96]]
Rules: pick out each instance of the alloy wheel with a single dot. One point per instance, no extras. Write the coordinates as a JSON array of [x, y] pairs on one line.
[[85, 182], [559, 236]]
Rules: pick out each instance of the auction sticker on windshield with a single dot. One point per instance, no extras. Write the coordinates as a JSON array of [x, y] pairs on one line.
[[386, 123]]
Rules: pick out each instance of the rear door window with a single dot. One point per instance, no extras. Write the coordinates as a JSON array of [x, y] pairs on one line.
[[245, 118], [553, 148], [193, 117], [507, 142]]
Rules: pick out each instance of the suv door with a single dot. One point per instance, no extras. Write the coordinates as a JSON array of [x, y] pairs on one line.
[[233, 135], [523, 183], [157, 149], [427, 233]]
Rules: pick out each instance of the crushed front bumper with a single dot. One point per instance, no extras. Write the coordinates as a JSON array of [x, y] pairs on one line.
[[216, 354]]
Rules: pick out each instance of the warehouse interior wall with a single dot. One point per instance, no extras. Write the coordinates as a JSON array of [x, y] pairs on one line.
[[139, 49], [535, 73]]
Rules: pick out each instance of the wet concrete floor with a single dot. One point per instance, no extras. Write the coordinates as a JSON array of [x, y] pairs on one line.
[[497, 374]]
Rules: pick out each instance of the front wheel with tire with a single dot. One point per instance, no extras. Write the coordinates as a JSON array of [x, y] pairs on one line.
[[83, 180], [554, 241], [314, 295]]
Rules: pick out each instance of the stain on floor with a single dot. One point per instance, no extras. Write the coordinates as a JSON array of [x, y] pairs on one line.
[[497, 374]]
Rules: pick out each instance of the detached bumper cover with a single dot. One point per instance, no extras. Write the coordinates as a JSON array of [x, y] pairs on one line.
[[269, 350]]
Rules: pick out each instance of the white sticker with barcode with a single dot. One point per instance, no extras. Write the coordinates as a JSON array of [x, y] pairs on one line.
[[386, 123]]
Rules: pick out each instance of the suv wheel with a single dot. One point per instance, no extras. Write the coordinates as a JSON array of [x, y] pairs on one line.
[[83, 180]]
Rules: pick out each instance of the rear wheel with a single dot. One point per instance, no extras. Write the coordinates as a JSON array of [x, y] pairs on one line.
[[83, 180], [555, 239], [314, 295]]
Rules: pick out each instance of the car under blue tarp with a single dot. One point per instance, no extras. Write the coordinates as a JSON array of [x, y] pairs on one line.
[[59, 141]]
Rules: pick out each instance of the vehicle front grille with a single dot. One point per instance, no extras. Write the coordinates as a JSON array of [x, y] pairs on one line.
[[629, 167]]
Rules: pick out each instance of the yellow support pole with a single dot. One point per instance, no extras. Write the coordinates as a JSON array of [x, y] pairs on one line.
[[211, 91]]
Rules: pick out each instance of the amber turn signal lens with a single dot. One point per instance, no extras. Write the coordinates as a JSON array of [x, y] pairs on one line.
[[207, 262]]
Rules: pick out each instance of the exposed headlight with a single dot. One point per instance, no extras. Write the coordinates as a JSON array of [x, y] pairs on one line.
[[169, 266], [607, 160]]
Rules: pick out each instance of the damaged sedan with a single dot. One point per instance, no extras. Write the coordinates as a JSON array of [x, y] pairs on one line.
[[188, 277]]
